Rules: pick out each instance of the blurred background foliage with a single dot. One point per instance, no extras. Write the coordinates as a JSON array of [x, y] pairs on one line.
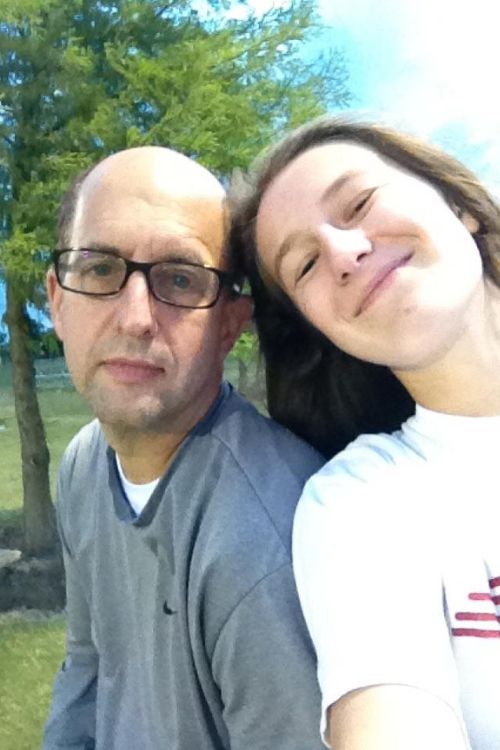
[[78, 80], [84, 78]]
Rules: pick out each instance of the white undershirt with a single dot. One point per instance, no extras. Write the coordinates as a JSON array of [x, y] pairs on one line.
[[137, 494]]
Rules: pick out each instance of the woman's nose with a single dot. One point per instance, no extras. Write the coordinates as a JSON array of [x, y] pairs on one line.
[[344, 249]]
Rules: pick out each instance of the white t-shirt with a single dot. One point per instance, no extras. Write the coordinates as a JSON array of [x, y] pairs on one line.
[[397, 560], [137, 494]]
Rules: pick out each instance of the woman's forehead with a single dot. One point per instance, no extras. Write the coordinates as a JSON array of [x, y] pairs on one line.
[[320, 166], [303, 182]]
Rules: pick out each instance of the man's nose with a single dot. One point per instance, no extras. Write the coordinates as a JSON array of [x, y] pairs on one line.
[[136, 312], [345, 250]]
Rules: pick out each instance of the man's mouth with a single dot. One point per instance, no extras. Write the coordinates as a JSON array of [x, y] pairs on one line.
[[130, 370]]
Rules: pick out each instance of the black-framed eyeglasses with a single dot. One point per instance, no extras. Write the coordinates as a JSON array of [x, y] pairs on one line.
[[102, 273]]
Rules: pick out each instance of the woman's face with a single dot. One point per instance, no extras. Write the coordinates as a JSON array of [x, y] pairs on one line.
[[372, 255]]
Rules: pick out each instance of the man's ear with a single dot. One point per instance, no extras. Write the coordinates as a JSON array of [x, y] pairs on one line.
[[237, 313], [54, 294]]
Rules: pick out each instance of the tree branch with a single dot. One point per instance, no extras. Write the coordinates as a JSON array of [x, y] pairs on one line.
[[161, 11]]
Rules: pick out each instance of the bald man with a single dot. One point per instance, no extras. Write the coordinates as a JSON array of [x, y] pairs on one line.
[[175, 504]]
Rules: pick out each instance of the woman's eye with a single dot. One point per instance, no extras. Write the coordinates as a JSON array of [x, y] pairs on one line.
[[361, 203], [306, 268]]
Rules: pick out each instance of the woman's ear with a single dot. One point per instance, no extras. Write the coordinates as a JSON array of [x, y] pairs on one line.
[[469, 222]]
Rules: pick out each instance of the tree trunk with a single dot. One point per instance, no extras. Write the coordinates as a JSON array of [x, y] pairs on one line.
[[38, 511]]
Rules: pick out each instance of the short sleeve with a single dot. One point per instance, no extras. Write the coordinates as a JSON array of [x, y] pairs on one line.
[[367, 562], [264, 666]]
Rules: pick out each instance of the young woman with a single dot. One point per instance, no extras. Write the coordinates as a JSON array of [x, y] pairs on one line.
[[375, 264]]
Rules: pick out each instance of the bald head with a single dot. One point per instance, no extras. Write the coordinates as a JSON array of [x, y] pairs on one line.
[[147, 170], [160, 168], [149, 359]]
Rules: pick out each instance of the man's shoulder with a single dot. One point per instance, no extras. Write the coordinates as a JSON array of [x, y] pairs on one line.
[[261, 469], [81, 450], [255, 441]]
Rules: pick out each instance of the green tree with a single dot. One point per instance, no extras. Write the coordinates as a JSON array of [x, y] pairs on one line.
[[245, 353], [83, 78]]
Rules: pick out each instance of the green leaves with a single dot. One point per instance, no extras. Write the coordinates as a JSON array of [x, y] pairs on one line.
[[247, 347], [81, 79], [17, 254]]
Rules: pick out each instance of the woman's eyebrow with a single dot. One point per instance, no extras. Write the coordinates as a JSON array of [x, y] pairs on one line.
[[338, 184]]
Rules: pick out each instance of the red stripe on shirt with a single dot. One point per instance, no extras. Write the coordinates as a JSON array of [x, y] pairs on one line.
[[480, 597], [476, 633], [487, 616]]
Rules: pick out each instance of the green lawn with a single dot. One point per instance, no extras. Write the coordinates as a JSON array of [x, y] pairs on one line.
[[64, 412], [31, 651], [30, 654]]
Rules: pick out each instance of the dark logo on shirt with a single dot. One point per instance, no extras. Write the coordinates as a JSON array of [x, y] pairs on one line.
[[167, 609]]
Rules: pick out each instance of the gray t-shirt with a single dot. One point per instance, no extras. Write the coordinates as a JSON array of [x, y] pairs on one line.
[[184, 628]]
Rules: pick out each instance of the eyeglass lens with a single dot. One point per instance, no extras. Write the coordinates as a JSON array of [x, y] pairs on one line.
[[95, 273]]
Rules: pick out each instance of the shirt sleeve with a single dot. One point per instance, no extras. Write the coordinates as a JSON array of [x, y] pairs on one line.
[[367, 561], [265, 668], [71, 722]]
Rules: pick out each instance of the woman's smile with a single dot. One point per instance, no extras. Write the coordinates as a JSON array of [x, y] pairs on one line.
[[373, 256]]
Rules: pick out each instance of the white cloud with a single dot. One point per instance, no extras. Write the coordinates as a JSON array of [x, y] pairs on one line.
[[427, 65]]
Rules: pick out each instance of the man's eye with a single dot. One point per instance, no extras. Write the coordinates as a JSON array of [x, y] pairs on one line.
[[103, 269], [180, 281], [98, 269]]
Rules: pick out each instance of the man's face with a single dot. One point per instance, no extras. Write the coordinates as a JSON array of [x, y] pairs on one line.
[[144, 365]]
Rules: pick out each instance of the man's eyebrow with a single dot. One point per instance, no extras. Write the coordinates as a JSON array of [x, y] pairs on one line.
[[100, 247], [338, 184], [176, 250]]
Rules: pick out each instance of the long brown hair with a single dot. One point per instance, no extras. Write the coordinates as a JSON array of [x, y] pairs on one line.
[[318, 391]]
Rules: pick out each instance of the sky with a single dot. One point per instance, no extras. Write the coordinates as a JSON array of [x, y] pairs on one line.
[[426, 66], [429, 67]]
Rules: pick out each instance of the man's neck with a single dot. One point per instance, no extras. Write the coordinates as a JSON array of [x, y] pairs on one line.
[[143, 457]]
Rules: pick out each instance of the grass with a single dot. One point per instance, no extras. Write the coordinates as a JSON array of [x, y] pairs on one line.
[[30, 654], [63, 412], [31, 650]]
